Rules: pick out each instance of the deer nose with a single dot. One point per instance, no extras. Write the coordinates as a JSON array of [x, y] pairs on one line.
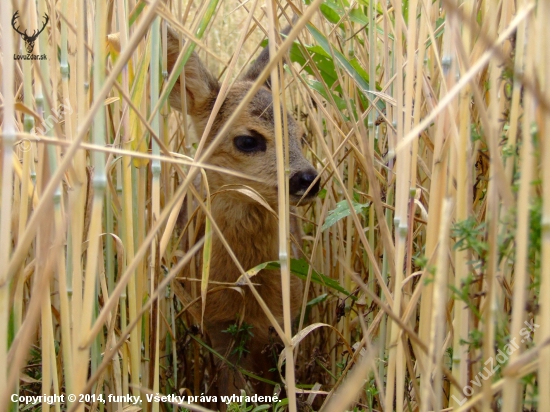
[[301, 181]]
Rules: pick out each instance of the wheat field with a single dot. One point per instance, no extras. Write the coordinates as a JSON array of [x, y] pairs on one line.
[[424, 253]]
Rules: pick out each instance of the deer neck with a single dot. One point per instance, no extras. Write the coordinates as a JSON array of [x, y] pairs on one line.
[[250, 230]]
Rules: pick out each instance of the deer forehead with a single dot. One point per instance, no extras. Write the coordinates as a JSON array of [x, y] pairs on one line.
[[259, 115]]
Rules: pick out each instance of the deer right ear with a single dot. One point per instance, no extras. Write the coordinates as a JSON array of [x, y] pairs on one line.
[[201, 86]]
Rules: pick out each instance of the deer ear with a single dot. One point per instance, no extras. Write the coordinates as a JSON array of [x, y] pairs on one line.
[[201, 86], [260, 63]]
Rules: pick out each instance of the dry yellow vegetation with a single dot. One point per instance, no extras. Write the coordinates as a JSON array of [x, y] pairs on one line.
[[426, 253]]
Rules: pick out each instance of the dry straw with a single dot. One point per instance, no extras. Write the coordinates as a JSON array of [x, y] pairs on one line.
[[425, 255]]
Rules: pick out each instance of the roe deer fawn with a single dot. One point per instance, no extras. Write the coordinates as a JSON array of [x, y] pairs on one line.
[[250, 229]]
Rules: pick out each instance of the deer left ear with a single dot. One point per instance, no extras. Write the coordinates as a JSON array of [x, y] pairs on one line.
[[261, 62]]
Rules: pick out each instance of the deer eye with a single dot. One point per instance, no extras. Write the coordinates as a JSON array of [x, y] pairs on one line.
[[250, 144]]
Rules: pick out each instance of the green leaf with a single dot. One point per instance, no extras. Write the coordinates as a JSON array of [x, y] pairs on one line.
[[323, 62], [340, 103], [320, 88], [136, 12], [341, 211], [352, 68], [316, 300], [300, 268], [281, 404], [357, 66], [337, 6], [329, 13], [363, 83], [261, 408], [357, 16]]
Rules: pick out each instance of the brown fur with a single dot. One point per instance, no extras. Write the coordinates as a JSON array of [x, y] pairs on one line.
[[250, 229]]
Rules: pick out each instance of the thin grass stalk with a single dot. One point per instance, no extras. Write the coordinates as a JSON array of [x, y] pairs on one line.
[[315, 248], [174, 340], [50, 160], [439, 311], [187, 143], [383, 336], [353, 384], [27, 149], [284, 109], [383, 340], [49, 364], [155, 192], [188, 198], [55, 384], [78, 195], [99, 181], [414, 191], [495, 297], [64, 298], [544, 130], [461, 322], [515, 108], [8, 140], [168, 330], [125, 355], [129, 230], [508, 8], [109, 214], [409, 182], [491, 305], [142, 286], [140, 218], [69, 41], [135, 180], [438, 189], [282, 195], [50, 66], [349, 245], [372, 137], [349, 90], [512, 386], [207, 249], [395, 353], [65, 314], [111, 336], [45, 313], [417, 111], [490, 311], [123, 181]]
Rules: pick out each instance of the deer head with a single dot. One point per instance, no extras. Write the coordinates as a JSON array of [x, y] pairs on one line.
[[250, 145], [29, 40]]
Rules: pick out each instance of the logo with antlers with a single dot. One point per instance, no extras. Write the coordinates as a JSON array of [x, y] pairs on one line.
[[29, 40]]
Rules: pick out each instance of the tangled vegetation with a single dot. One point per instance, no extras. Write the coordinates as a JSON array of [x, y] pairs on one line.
[[426, 254]]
